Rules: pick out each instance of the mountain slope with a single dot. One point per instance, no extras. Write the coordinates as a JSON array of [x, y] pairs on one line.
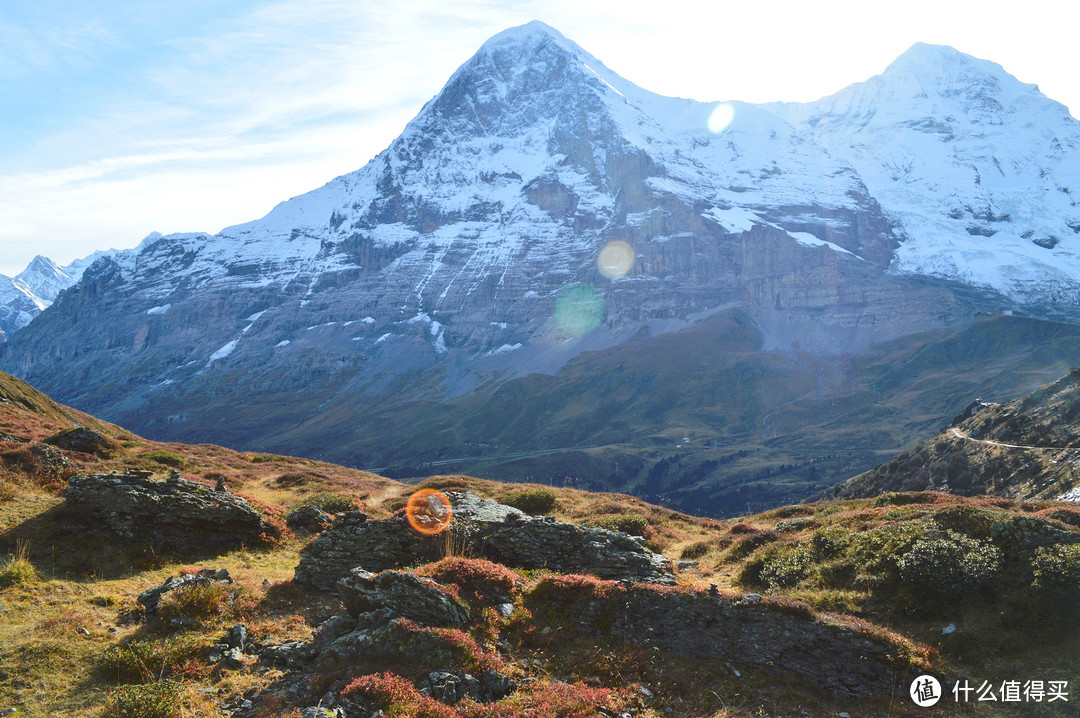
[[978, 170], [538, 209], [32, 290], [842, 578], [1023, 449]]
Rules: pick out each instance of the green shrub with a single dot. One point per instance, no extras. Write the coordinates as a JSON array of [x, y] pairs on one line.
[[168, 458], [147, 660], [200, 602], [829, 542], [798, 523], [945, 565], [1056, 570], [331, 503], [163, 699], [633, 524], [532, 501], [905, 498], [16, 570], [876, 550], [750, 542], [787, 568], [968, 520], [696, 550]]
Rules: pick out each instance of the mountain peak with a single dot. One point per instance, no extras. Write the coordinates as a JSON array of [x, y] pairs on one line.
[[945, 71], [530, 34]]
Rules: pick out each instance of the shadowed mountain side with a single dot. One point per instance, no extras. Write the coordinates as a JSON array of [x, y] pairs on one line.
[[1026, 448], [764, 427]]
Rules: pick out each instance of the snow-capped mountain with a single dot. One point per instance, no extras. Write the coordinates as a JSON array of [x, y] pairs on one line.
[[541, 207], [980, 172], [29, 292]]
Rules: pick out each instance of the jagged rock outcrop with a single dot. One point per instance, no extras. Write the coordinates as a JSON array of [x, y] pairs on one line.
[[176, 514], [486, 529]]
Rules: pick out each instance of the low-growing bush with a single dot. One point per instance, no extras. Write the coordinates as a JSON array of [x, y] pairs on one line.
[[147, 660], [1056, 571], [200, 602], [163, 699], [968, 520], [947, 565], [16, 570], [787, 568], [829, 542], [696, 550], [633, 524], [792, 525], [905, 498], [477, 580], [161, 456], [532, 501], [331, 503], [751, 542]]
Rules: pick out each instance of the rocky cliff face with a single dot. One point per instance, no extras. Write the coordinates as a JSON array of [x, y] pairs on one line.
[[538, 208]]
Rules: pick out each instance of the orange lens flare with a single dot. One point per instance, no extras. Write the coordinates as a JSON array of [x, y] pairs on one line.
[[428, 511]]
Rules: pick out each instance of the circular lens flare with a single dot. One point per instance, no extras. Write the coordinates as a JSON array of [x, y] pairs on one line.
[[428, 511], [721, 116], [578, 309], [616, 259]]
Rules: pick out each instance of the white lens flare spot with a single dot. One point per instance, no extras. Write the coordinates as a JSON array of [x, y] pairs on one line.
[[578, 309], [616, 259], [721, 117]]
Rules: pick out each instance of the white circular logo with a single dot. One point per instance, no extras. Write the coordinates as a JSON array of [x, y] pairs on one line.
[[925, 691]]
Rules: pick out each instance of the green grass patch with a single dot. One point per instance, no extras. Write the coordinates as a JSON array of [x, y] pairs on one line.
[[161, 456]]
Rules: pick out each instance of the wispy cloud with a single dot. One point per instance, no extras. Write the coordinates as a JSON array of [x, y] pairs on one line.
[[137, 115]]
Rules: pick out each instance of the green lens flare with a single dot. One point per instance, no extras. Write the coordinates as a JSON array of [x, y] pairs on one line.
[[578, 309]]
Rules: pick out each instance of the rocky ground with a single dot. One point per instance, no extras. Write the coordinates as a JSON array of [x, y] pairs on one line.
[[124, 594]]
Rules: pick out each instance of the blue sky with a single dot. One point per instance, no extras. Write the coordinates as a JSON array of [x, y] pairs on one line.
[[123, 118]]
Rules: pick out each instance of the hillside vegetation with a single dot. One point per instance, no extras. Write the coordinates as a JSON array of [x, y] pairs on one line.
[[1026, 448], [896, 570]]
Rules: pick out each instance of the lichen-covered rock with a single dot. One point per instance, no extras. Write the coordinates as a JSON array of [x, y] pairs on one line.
[[308, 518], [568, 548], [406, 594], [176, 514], [780, 639], [485, 529], [354, 541], [83, 440], [450, 687]]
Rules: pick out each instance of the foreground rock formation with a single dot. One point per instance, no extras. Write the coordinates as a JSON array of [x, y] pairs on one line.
[[177, 514], [482, 528]]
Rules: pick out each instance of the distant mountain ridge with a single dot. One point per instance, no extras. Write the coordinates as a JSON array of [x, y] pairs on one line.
[[32, 290], [541, 212]]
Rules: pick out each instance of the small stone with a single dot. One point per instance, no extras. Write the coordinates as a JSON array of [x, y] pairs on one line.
[[644, 692], [7, 711], [949, 630], [83, 631], [505, 609], [237, 637], [845, 714]]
